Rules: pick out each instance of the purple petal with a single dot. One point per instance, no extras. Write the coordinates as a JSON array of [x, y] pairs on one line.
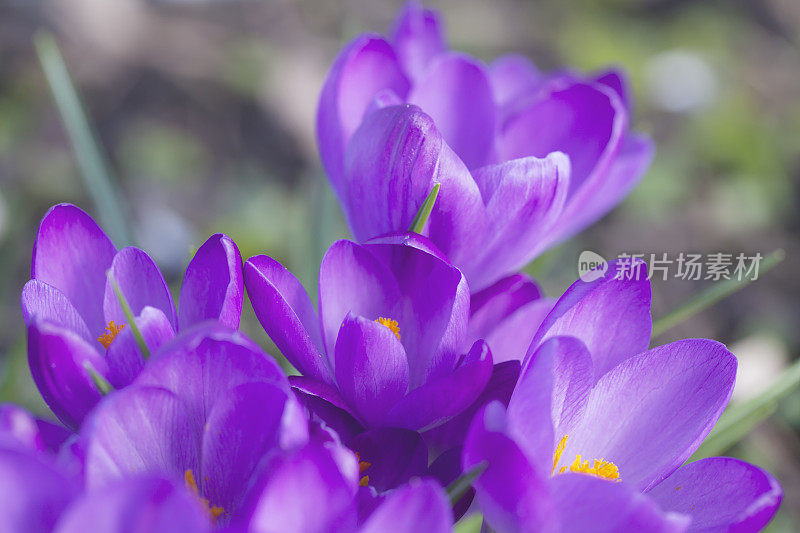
[[57, 358], [513, 76], [311, 490], [241, 428], [446, 469], [550, 394], [72, 254], [212, 287], [616, 79], [201, 368], [41, 301], [422, 505], [33, 492], [371, 368], [507, 316], [581, 499], [434, 312], [133, 504], [393, 162], [610, 315], [394, 455], [125, 359], [510, 493], [455, 91], [662, 404], [585, 121], [365, 67], [441, 399], [18, 429], [418, 39], [141, 430], [523, 197], [634, 158], [141, 283], [353, 280], [720, 494], [324, 404], [286, 313], [499, 388]]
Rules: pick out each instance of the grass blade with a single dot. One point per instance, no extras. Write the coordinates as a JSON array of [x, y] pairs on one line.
[[421, 218], [713, 294], [93, 167]]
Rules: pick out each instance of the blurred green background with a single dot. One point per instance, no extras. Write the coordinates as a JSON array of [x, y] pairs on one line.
[[205, 111]]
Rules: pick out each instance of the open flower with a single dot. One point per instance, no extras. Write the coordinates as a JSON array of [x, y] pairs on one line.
[[598, 423], [205, 411], [388, 343], [75, 322], [524, 159]]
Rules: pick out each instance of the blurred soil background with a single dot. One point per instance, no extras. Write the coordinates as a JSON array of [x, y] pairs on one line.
[[206, 109]]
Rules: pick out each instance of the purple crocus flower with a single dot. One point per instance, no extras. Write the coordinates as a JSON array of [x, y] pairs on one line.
[[75, 322], [599, 424], [388, 343], [316, 489], [205, 412], [524, 159]]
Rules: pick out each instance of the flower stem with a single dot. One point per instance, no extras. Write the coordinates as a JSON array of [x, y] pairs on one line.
[[459, 487]]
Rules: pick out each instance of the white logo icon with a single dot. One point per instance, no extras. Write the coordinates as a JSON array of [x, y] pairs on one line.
[[591, 266]]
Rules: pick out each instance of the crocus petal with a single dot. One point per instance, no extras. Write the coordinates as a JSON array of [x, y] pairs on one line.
[[499, 388], [324, 404], [446, 469], [58, 359], [441, 399], [393, 162], [422, 505], [41, 301], [523, 199], [661, 404], [507, 315], [241, 428], [212, 287], [125, 359], [203, 366], [551, 390], [18, 429], [418, 39], [394, 456], [610, 314], [308, 491], [365, 67], [513, 76], [72, 254], [353, 280], [455, 91], [286, 313], [580, 499], [133, 504], [634, 158], [720, 494], [616, 79], [510, 493], [34, 492], [371, 368], [585, 121], [141, 430], [433, 318], [141, 283]]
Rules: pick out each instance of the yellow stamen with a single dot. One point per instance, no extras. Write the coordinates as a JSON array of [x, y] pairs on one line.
[[391, 324], [113, 330], [364, 481], [191, 484], [362, 465], [599, 467]]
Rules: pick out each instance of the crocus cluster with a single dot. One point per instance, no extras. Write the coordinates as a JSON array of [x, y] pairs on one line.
[[431, 379]]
